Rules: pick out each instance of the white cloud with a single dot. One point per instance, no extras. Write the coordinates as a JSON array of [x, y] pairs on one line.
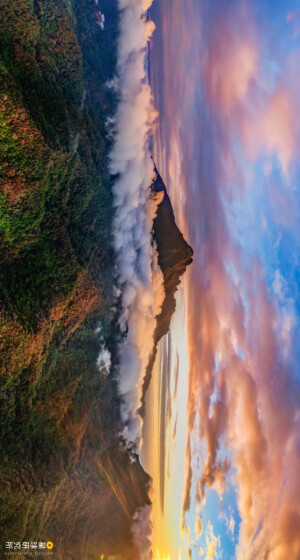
[[104, 361], [279, 285], [142, 531], [139, 276]]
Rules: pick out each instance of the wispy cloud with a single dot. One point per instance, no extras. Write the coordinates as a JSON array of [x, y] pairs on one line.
[[236, 115], [142, 531], [212, 544], [139, 275]]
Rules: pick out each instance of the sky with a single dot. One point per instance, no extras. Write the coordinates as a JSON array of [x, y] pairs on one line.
[[225, 79]]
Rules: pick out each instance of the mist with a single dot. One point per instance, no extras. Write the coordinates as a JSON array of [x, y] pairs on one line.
[[138, 274]]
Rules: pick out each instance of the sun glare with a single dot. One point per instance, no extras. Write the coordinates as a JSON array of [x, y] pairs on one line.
[[158, 556]]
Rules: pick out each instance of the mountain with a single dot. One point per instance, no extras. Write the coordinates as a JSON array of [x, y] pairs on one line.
[[174, 255], [65, 474]]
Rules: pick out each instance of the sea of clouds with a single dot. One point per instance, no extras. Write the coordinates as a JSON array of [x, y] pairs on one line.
[[139, 277]]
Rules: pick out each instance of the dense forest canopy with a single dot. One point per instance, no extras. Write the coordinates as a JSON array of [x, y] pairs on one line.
[[62, 459]]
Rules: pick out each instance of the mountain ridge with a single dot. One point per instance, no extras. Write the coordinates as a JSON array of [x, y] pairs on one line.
[[174, 256]]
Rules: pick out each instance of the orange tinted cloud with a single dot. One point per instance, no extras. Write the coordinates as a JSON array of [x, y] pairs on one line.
[[241, 387], [256, 412]]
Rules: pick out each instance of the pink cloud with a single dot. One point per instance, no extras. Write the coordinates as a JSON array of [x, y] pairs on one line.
[[291, 15], [293, 18], [229, 70], [241, 388], [271, 129]]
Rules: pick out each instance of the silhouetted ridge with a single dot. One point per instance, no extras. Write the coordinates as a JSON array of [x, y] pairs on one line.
[[174, 255]]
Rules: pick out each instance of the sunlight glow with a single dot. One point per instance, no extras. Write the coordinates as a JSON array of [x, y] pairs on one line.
[[157, 556]]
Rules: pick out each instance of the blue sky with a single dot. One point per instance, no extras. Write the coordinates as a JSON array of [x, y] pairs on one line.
[[228, 142]]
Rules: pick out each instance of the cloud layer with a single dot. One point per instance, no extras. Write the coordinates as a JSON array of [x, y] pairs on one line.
[[142, 531], [139, 276]]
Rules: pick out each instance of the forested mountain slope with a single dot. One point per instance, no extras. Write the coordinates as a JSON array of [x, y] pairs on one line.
[[62, 466]]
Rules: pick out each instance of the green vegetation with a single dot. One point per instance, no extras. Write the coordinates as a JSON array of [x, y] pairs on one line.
[[59, 413], [55, 201]]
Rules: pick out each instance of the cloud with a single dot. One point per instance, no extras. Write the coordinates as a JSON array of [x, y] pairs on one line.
[[272, 129], [104, 360], [142, 531], [212, 543], [293, 18], [198, 528], [279, 285], [228, 72], [287, 323], [231, 525], [243, 391], [139, 276], [104, 357]]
